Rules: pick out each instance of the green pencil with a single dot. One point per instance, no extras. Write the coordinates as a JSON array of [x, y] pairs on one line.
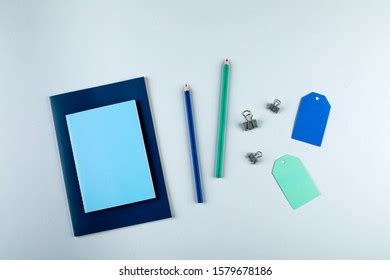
[[222, 119]]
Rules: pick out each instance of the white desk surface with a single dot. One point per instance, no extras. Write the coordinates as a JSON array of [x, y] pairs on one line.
[[279, 49]]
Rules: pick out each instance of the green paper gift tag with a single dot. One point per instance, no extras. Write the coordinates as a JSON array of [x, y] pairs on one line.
[[294, 180]]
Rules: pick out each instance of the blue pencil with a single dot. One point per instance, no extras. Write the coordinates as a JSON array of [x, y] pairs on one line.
[[194, 150]]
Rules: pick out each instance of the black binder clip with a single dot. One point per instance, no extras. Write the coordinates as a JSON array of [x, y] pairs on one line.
[[254, 157], [249, 123], [274, 107]]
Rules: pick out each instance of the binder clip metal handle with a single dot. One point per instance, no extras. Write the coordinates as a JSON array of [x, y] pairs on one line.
[[249, 123], [254, 157], [274, 107]]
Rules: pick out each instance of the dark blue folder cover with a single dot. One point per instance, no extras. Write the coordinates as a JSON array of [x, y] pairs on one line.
[[126, 215]]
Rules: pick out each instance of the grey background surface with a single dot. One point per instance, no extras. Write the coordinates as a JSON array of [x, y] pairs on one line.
[[279, 49]]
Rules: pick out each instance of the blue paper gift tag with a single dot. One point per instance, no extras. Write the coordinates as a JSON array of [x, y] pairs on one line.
[[311, 120]]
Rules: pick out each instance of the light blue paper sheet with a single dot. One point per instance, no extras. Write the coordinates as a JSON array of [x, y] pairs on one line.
[[110, 156]]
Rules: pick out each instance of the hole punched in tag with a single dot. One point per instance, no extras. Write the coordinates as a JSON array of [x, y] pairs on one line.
[[249, 123], [274, 107], [254, 157]]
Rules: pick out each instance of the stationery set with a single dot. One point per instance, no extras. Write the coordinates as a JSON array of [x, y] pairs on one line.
[[110, 159]]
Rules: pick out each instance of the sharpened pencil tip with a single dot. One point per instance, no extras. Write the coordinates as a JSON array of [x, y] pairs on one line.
[[226, 61], [186, 87]]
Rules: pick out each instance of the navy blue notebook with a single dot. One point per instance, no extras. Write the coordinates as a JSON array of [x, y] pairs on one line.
[[140, 211]]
